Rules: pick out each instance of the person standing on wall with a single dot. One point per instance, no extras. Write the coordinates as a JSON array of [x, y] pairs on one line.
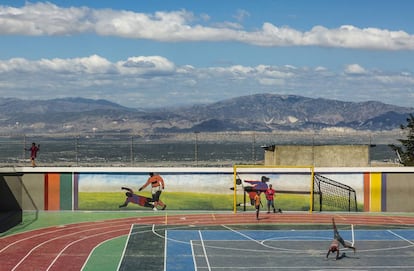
[[33, 153], [157, 185]]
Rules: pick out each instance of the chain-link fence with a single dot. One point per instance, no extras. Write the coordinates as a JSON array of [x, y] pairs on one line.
[[173, 149]]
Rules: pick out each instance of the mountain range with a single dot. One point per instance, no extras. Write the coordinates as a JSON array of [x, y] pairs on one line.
[[260, 112]]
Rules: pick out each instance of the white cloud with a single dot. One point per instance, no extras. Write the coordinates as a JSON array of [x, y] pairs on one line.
[[146, 65], [44, 19], [320, 69], [355, 69], [147, 81], [348, 36], [47, 19], [271, 81], [241, 15]]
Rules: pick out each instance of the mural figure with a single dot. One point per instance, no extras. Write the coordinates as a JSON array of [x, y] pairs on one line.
[[157, 185], [137, 199]]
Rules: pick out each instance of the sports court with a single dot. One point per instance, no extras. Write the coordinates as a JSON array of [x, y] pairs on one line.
[[267, 247]]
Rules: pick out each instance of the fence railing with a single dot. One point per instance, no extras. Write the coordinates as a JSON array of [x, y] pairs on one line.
[[175, 149]]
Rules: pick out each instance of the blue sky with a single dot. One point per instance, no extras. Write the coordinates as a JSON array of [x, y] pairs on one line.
[[178, 52]]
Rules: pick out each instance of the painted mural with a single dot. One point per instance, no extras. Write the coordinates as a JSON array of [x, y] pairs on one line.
[[202, 191], [377, 190]]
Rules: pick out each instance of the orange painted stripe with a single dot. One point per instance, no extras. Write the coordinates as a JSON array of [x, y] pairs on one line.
[[367, 191], [53, 191]]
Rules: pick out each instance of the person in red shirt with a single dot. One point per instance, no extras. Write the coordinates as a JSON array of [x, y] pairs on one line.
[[137, 199], [270, 197], [334, 247], [157, 185], [33, 153]]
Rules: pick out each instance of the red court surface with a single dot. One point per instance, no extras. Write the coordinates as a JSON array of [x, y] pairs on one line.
[[67, 247]]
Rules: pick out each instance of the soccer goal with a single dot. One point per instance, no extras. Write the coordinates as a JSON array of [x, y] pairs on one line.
[[293, 185], [331, 195]]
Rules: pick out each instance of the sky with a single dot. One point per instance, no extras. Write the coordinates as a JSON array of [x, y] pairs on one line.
[[157, 53]]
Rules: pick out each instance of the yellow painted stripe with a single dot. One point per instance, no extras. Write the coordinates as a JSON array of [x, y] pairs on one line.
[[376, 182]]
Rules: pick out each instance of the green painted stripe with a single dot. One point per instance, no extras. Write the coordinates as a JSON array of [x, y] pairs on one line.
[[66, 191]]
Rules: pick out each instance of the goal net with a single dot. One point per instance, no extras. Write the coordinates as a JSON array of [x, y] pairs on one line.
[[330, 195], [293, 185]]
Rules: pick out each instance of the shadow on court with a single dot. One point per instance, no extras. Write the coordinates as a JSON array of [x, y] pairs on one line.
[[267, 247]]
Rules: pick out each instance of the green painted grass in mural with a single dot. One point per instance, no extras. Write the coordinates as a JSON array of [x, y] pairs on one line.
[[187, 201]]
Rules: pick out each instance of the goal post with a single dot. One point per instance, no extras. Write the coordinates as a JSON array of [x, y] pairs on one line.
[[332, 195], [296, 183]]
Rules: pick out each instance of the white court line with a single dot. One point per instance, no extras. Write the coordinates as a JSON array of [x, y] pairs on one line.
[[204, 250], [352, 233], [262, 243], [94, 249], [324, 267], [74, 242], [192, 253], [165, 249], [51, 240], [125, 247], [399, 236]]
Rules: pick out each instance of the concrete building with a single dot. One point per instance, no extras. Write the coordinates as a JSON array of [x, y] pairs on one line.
[[318, 156]]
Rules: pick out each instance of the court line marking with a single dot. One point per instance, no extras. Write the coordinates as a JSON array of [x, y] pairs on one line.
[[74, 242], [51, 240], [324, 268], [193, 253], [352, 234], [272, 248], [98, 245], [224, 248], [399, 236], [165, 250], [53, 229], [255, 250], [204, 250], [125, 247], [262, 242], [250, 238]]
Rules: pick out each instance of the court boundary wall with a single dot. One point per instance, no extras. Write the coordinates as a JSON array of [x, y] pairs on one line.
[[385, 189]]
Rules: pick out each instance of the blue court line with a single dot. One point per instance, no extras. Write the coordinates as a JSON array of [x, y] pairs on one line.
[[179, 251]]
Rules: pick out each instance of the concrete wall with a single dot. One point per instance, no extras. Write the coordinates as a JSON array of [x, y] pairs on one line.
[[319, 156], [399, 191], [379, 189]]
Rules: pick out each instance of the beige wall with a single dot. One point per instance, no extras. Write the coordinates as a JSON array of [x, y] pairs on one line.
[[35, 198], [399, 192], [319, 156], [15, 186], [28, 189]]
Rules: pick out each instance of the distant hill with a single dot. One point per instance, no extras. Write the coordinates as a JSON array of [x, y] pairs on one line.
[[261, 112]]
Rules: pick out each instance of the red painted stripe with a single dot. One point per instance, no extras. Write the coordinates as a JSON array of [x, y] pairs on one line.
[[367, 191], [46, 193]]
